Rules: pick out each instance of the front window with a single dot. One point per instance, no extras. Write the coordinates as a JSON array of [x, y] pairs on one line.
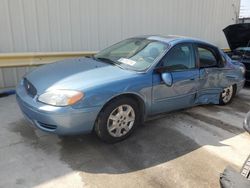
[[135, 54], [179, 58]]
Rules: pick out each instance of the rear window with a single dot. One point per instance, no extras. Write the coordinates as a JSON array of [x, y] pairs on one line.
[[206, 57]]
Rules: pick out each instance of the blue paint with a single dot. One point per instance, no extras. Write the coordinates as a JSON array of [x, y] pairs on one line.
[[101, 82]]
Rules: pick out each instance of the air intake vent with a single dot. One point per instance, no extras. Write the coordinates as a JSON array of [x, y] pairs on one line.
[[47, 126]]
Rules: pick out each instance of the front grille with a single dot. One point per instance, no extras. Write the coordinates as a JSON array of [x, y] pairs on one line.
[[30, 89], [47, 126]]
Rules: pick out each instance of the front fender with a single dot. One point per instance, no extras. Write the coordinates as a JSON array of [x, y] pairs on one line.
[[100, 95]]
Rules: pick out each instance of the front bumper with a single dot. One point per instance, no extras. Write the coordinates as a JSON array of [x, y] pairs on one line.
[[58, 120]]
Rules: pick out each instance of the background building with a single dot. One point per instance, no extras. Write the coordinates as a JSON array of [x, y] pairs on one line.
[[75, 25], [82, 25]]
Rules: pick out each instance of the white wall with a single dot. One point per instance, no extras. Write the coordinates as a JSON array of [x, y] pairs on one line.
[[76, 25], [72, 25]]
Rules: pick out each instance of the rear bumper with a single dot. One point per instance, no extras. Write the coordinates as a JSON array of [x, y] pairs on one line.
[[240, 85], [58, 120], [247, 66]]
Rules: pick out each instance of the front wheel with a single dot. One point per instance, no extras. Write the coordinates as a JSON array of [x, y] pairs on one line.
[[117, 120], [227, 95]]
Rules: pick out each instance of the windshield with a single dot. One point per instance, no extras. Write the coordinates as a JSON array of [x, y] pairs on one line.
[[135, 54]]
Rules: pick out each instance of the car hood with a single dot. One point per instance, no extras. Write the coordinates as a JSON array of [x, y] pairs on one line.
[[75, 74], [238, 35]]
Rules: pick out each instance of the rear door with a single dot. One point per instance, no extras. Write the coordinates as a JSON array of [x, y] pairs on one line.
[[212, 75]]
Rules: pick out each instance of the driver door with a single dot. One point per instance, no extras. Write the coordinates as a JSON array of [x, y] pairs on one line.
[[180, 62]]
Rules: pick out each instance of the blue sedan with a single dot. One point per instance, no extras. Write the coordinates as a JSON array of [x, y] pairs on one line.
[[114, 91]]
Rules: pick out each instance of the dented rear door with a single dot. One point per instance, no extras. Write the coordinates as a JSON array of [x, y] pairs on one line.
[[211, 75]]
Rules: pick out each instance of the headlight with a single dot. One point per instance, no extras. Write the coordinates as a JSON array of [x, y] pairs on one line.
[[61, 97]]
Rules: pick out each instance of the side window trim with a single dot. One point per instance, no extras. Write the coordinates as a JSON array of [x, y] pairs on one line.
[[160, 64]]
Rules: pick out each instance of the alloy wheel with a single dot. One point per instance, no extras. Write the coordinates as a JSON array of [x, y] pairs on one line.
[[227, 94], [121, 120]]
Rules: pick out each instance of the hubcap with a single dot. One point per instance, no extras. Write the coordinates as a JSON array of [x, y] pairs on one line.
[[121, 120], [227, 94]]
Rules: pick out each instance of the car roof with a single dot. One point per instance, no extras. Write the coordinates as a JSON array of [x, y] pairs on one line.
[[175, 39]]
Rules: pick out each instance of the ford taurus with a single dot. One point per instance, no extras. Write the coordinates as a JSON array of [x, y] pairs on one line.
[[123, 85]]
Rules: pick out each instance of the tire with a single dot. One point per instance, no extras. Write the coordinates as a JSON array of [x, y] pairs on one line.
[[227, 95], [117, 120]]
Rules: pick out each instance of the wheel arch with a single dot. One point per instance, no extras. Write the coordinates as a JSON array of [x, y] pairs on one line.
[[137, 98]]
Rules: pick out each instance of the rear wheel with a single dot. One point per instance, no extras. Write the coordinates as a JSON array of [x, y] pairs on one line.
[[227, 95], [117, 120]]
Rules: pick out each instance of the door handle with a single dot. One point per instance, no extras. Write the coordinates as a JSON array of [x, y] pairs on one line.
[[192, 79]]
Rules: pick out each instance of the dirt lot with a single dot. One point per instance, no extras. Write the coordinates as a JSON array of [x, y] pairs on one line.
[[189, 148]]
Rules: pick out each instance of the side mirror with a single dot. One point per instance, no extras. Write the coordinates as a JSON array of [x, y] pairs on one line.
[[167, 78]]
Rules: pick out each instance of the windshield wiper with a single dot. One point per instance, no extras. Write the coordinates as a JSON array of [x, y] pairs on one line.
[[106, 60], [109, 61]]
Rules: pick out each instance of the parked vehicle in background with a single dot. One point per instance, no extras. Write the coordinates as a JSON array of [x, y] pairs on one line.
[[246, 123], [233, 179], [123, 85], [238, 37]]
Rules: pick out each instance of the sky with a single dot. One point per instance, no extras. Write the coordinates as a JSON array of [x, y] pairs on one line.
[[245, 8]]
